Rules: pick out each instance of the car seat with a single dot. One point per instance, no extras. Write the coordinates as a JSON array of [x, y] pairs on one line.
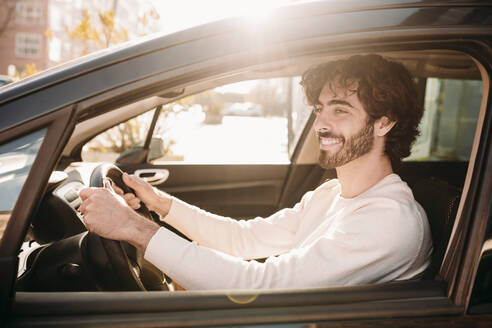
[[440, 201]]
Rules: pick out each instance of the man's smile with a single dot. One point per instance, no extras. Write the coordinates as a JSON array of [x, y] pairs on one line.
[[326, 142], [330, 141]]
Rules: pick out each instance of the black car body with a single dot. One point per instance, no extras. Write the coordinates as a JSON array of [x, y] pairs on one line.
[[70, 104]]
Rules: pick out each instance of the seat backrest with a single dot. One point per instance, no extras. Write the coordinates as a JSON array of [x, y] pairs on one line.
[[440, 201]]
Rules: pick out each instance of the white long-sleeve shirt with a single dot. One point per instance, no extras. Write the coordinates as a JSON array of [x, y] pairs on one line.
[[324, 240]]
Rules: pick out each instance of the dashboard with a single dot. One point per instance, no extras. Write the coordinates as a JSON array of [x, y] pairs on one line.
[[59, 254]]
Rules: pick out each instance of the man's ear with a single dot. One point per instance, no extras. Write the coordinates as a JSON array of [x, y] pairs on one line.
[[383, 125]]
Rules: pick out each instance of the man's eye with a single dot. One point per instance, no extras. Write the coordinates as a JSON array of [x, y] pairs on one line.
[[317, 109], [340, 111]]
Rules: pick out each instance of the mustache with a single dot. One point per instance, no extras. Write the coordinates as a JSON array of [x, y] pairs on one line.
[[328, 135]]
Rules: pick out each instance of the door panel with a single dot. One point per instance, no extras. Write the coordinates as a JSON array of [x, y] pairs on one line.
[[411, 300], [235, 190]]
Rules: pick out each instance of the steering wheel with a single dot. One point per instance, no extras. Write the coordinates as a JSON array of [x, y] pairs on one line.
[[118, 265]]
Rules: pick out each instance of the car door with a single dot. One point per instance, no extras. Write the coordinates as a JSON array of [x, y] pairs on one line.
[[440, 301]]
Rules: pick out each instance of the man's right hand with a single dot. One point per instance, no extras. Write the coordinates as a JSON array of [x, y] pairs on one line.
[[107, 214], [154, 199]]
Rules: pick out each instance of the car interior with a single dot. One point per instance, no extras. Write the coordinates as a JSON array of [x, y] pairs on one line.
[[60, 255]]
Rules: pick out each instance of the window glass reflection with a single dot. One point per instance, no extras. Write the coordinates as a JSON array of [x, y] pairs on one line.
[[16, 159]]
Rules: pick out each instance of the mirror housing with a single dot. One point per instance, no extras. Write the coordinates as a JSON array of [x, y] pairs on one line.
[[156, 148], [133, 156]]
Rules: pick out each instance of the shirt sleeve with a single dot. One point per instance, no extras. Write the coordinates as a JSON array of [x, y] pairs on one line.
[[353, 253], [247, 239]]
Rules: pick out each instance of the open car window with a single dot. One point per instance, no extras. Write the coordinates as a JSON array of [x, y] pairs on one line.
[[107, 146], [254, 121], [448, 126]]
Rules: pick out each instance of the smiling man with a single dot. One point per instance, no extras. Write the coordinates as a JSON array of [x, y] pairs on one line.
[[364, 227]]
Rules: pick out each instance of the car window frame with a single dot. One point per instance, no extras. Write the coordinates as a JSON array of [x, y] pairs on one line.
[[467, 47], [460, 262], [58, 125], [463, 48]]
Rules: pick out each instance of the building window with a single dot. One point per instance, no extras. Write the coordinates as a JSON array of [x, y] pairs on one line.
[[28, 45], [55, 17], [55, 49], [28, 14]]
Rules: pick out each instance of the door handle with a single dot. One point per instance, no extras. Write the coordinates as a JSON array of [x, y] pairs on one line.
[[153, 176]]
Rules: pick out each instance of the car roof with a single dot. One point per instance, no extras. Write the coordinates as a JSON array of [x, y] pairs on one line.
[[156, 41]]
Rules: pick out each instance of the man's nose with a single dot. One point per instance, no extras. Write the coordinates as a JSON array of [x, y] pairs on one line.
[[323, 123]]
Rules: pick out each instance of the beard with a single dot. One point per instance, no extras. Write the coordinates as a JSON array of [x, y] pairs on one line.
[[352, 148]]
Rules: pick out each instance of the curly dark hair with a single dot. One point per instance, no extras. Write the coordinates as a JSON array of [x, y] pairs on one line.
[[385, 88]]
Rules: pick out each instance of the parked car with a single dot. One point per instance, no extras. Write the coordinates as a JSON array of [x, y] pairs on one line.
[[243, 109], [5, 79], [58, 126]]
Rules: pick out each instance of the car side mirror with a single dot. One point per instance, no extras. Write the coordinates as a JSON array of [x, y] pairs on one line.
[[156, 148], [133, 156]]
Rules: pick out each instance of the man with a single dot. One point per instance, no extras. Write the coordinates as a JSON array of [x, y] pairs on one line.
[[364, 227]]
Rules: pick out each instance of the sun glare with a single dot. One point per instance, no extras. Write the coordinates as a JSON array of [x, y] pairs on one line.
[[259, 10], [187, 13]]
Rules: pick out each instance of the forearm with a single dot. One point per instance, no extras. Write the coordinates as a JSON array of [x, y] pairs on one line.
[[332, 260], [199, 268], [107, 215], [246, 239], [140, 231], [161, 204]]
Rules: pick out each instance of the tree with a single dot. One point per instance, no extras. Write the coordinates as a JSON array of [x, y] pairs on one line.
[[94, 38], [272, 94], [29, 69], [99, 33], [104, 32]]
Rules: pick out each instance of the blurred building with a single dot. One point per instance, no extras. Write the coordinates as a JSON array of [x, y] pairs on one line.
[[38, 31], [22, 39]]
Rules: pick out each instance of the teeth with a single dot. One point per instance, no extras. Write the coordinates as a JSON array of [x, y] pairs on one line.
[[329, 141]]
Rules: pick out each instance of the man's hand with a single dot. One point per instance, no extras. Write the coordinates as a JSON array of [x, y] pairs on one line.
[[154, 199], [109, 216]]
